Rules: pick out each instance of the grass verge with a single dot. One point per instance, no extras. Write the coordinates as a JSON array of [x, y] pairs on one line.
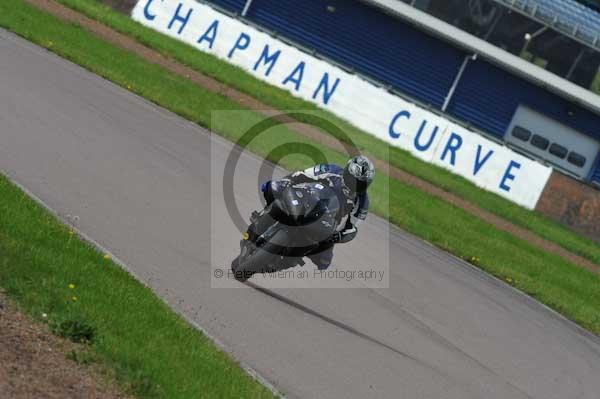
[[46, 269], [37, 262], [280, 99]]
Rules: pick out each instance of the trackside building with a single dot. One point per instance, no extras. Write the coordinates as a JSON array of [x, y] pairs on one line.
[[499, 92]]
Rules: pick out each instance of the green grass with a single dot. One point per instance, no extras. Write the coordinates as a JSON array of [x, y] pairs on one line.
[[154, 352], [280, 99], [150, 348], [596, 84]]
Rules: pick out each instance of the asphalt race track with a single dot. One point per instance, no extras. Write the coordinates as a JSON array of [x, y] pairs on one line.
[[137, 180]]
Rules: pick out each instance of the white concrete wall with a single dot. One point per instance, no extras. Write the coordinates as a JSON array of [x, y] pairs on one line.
[[386, 116]]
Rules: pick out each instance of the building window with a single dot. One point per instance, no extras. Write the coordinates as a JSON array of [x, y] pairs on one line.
[[521, 133], [576, 159], [558, 150], [540, 142]]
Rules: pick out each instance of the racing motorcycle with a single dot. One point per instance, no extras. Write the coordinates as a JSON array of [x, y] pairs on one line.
[[300, 219]]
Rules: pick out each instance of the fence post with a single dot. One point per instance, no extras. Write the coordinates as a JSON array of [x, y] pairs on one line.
[[246, 7]]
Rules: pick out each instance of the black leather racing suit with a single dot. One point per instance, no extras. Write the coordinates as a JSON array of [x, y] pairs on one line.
[[355, 209]]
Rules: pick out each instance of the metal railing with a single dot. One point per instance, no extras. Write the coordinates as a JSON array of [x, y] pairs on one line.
[[541, 14]]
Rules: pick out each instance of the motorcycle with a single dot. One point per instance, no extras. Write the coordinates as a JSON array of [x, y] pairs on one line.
[[301, 219]]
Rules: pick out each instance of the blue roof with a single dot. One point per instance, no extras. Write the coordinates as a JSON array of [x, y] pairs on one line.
[[570, 15]]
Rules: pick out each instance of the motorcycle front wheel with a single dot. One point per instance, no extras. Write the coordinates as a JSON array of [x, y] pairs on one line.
[[264, 259]]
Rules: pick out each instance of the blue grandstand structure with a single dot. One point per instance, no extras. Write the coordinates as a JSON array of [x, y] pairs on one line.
[[518, 71], [571, 17]]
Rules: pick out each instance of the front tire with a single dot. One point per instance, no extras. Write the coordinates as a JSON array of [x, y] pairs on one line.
[[238, 275], [261, 260]]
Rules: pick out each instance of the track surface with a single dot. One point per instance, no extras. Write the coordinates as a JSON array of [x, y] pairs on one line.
[[137, 178]]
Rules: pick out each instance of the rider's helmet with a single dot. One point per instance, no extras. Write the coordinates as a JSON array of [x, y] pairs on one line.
[[359, 173]]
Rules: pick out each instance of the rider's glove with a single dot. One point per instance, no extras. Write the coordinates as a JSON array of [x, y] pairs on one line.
[[335, 237], [343, 236]]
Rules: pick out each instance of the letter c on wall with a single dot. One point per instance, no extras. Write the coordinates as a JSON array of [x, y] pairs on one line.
[[393, 133], [149, 17]]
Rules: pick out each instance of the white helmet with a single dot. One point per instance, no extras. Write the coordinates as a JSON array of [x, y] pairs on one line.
[[359, 173]]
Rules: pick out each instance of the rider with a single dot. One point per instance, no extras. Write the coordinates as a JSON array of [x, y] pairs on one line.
[[352, 181]]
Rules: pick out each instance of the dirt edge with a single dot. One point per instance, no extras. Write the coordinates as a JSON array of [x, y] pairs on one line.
[[37, 364]]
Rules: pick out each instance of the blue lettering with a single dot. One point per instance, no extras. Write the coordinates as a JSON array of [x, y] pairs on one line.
[[267, 59], [296, 76], [210, 34], [508, 175], [393, 133], [453, 144], [480, 162], [183, 19], [241, 43], [325, 85], [425, 147], [149, 17]]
